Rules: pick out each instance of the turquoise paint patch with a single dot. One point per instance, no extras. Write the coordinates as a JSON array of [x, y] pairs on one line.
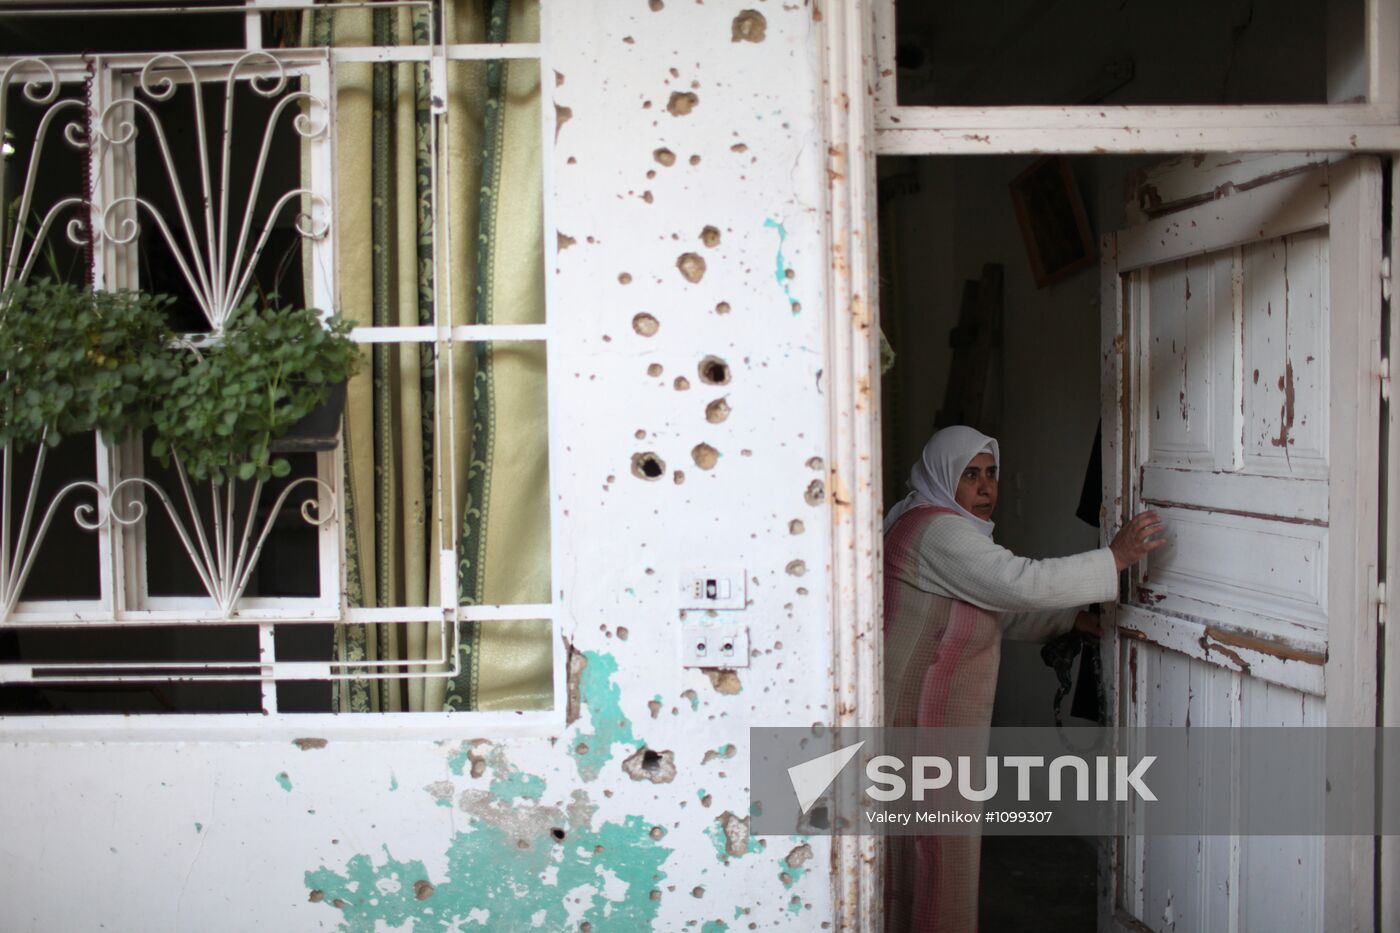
[[780, 266], [393, 781], [694, 701], [714, 926], [795, 905], [513, 784], [199, 827], [284, 781], [458, 761], [444, 802], [488, 873], [700, 795], [610, 726]]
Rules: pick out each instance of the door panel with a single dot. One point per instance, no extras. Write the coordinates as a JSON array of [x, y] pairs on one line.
[[1241, 347]]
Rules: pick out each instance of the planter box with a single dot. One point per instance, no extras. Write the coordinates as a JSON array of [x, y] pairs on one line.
[[319, 430]]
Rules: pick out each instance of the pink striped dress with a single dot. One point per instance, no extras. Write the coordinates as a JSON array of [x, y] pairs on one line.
[[950, 596]]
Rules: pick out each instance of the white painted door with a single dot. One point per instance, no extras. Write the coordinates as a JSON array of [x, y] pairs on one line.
[[1241, 401]]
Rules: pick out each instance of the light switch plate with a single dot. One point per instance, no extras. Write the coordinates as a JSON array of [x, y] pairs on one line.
[[711, 588]]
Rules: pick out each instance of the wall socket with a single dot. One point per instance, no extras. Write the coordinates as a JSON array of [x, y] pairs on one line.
[[704, 645]]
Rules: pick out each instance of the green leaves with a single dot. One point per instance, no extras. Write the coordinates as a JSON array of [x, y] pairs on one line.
[[268, 370], [75, 360]]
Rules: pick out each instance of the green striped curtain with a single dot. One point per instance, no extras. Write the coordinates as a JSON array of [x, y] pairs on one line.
[[388, 234]]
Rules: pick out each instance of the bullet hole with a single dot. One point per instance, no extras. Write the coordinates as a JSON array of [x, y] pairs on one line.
[[665, 156], [682, 103], [748, 26], [657, 832], [655, 708], [655, 5], [691, 696], [423, 890], [710, 237], [711, 754], [581, 748], [717, 411], [802, 591], [308, 744], [722, 308], [816, 492], [558, 834], [698, 891], [714, 371], [796, 568], [558, 79], [645, 325], [647, 197], [622, 633], [647, 465], [705, 456], [678, 477], [585, 927], [647, 765], [651, 173], [692, 266], [316, 896], [675, 73], [789, 273], [795, 527], [338, 904], [819, 817], [706, 800], [562, 115], [1256, 377], [655, 894], [816, 463], [625, 278], [738, 147], [681, 383], [695, 160], [655, 369], [746, 452], [565, 241], [724, 681], [797, 307], [640, 434], [628, 40]]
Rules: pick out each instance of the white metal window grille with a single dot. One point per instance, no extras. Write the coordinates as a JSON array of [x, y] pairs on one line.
[[212, 219]]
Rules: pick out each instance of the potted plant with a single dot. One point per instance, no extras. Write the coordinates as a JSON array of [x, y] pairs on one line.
[[76, 360], [230, 404], [73, 361]]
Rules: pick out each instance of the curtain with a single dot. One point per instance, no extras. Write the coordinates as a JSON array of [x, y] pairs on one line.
[[397, 477]]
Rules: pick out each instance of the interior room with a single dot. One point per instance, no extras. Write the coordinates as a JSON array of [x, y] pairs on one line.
[[990, 289]]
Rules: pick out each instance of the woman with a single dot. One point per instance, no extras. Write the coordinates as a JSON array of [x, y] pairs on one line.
[[951, 594]]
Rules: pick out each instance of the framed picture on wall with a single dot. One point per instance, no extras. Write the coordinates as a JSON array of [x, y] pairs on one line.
[[1053, 222]]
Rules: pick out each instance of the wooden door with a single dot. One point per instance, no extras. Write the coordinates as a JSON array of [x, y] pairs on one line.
[[1242, 402]]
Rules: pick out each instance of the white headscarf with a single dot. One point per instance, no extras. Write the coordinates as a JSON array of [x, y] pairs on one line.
[[934, 479]]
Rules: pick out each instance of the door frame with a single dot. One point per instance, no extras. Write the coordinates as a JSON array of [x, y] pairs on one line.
[[862, 121]]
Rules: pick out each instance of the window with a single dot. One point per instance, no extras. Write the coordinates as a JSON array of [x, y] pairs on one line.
[[383, 164]]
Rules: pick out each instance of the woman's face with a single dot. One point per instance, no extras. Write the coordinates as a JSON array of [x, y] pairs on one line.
[[977, 487]]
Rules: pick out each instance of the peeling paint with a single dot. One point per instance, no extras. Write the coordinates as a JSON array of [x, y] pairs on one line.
[[491, 881], [725, 682], [609, 726], [782, 272], [731, 838]]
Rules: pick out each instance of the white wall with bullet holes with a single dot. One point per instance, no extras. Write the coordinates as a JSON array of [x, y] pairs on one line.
[[688, 300]]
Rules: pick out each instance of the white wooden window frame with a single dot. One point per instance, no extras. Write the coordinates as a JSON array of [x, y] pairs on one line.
[[319, 66], [864, 120]]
